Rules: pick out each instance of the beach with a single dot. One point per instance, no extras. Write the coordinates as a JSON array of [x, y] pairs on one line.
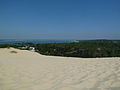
[[27, 70]]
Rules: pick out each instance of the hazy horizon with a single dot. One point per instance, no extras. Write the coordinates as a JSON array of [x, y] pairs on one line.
[[60, 19]]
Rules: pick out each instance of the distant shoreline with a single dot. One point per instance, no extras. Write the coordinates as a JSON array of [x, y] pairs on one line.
[[37, 41]]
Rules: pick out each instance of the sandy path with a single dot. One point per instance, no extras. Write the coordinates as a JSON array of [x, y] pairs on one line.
[[27, 70]]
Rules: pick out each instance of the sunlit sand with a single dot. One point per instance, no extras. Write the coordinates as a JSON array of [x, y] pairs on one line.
[[27, 70]]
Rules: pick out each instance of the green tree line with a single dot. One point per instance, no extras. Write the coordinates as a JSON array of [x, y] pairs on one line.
[[81, 49]]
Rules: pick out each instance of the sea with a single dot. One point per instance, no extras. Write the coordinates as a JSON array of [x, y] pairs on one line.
[[9, 41]]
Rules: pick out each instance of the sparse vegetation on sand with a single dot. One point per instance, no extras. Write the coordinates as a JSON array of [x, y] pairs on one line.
[[13, 51]]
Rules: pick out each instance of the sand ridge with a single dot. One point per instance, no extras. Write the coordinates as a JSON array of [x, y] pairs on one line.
[[26, 70]]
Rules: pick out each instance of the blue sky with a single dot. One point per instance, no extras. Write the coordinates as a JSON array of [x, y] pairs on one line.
[[60, 19]]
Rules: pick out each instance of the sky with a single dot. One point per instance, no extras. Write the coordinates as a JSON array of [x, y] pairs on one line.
[[60, 19]]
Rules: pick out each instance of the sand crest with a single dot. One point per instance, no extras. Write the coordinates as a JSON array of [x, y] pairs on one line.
[[26, 70]]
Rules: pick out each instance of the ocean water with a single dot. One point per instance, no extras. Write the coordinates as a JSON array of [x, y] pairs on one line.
[[34, 41]]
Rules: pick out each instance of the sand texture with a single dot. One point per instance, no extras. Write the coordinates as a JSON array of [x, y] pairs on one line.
[[27, 70]]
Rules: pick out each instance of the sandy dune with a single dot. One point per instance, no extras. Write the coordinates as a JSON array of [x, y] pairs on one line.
[[26, 70]]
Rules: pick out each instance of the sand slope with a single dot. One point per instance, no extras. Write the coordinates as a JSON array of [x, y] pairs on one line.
[[27, 70]]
